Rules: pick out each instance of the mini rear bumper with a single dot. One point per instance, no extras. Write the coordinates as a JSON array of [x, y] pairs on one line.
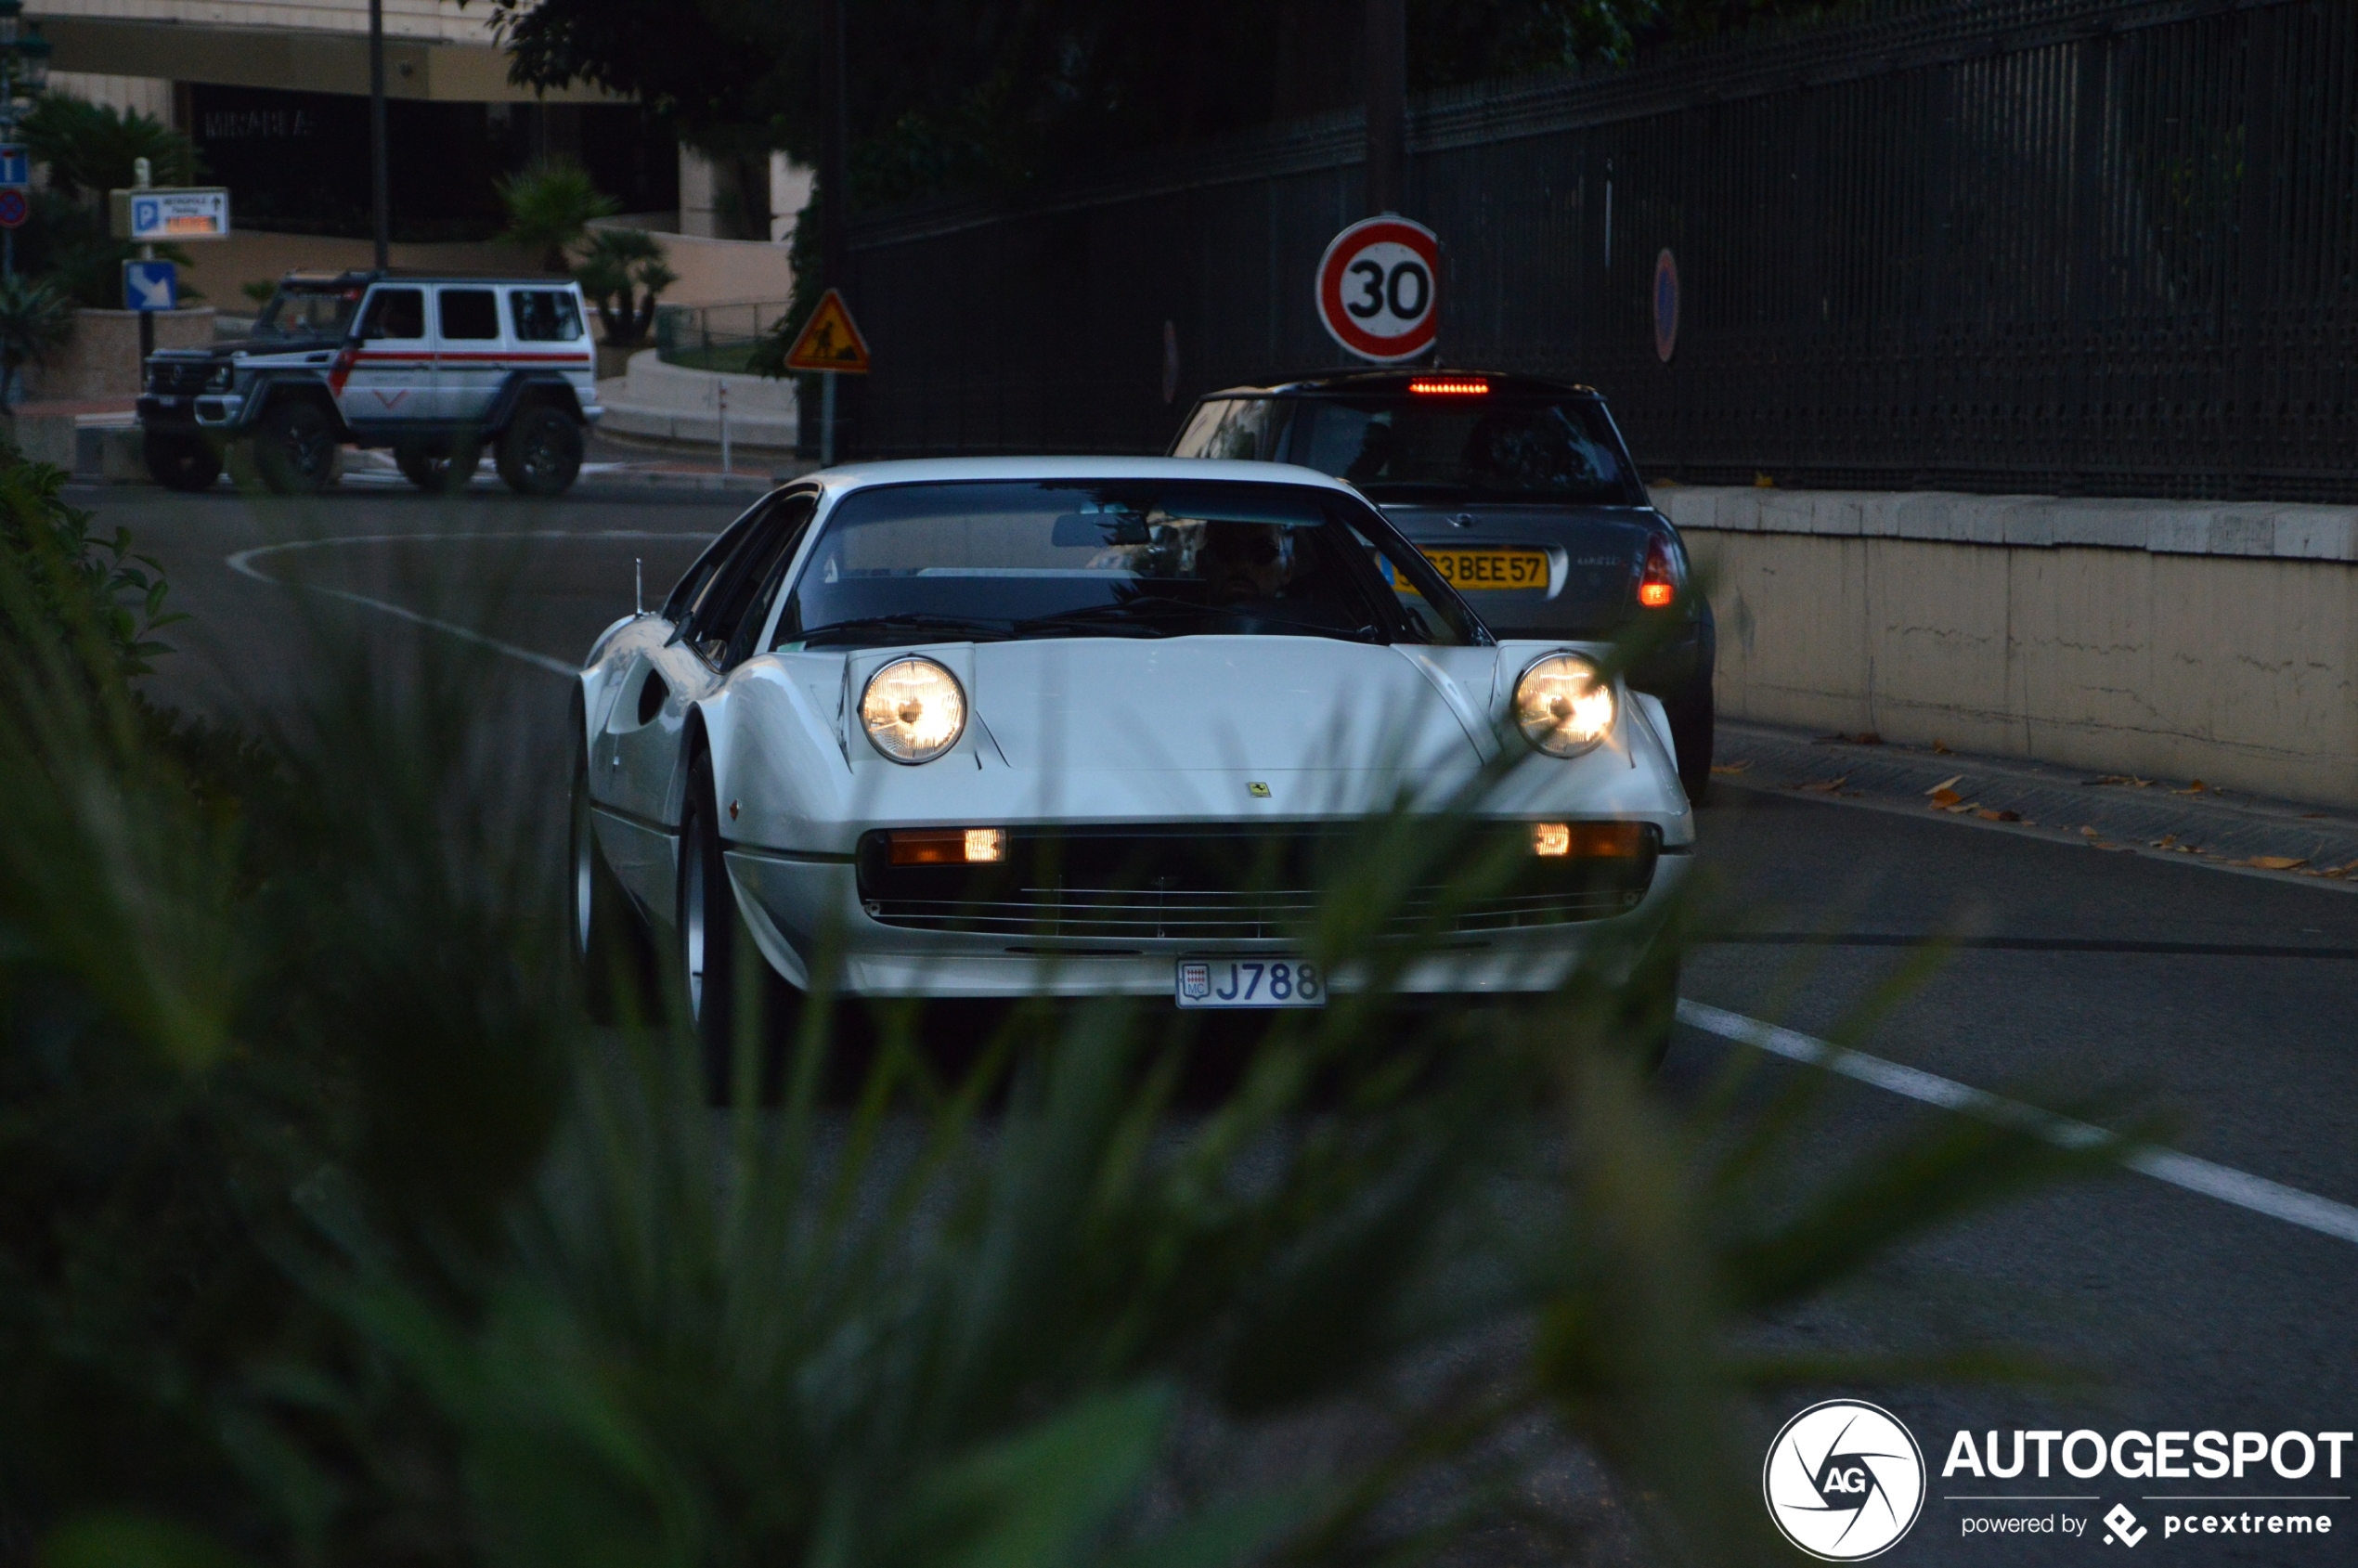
[[807, 916]]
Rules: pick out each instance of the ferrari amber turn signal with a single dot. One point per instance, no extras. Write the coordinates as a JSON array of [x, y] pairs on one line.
[[1588, 840], [948, 845]]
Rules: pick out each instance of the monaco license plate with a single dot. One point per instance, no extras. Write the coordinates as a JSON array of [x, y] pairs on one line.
[[1249, 982], [1468, 570]]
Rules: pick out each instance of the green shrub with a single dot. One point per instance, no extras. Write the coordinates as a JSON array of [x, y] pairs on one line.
[[330, 1233]]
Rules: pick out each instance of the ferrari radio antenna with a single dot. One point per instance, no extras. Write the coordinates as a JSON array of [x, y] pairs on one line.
[[638, 587]]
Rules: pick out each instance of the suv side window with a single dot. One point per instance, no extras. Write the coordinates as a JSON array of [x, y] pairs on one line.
[[394, 313], [545, 315], [470, 313]]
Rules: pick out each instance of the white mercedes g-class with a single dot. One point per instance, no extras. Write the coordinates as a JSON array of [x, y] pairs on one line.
[[434, 368]]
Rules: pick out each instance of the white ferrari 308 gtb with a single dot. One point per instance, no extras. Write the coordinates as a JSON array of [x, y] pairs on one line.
[[1011, 727]]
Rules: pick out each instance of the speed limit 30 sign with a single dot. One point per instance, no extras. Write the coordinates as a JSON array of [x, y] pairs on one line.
[[1379, 289]]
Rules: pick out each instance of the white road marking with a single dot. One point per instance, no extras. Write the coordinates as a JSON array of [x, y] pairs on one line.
[[243, 562], [2224, 1182]]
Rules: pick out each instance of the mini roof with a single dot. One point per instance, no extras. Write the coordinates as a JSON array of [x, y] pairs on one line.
[[1346, 383]]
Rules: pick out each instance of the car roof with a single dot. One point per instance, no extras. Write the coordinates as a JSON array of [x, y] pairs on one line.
[[1347, 382], [940, 471], [362, 279]]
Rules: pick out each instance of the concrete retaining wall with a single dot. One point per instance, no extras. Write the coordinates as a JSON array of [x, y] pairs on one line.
[[673, 403], [2167, 638]]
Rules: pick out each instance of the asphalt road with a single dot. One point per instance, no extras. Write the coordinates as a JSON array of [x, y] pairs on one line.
[[2130, 984]]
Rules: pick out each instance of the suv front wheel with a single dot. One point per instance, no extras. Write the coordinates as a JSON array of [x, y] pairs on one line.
[[294, 449], [540, 454]]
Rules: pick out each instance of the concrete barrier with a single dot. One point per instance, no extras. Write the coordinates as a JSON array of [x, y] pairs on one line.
[[673, 403], [2175, 640]]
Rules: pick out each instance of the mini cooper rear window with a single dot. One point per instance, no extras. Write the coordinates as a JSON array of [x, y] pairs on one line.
[[544, 316], [470, 313]]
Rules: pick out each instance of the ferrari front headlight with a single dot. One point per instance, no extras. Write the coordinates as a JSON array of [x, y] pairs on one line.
[[913, 710], [1563, 705]]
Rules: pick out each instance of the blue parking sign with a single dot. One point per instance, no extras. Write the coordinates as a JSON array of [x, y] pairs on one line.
[[16, 166], [150, 285]]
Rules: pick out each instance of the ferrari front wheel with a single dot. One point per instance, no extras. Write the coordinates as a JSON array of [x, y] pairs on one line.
[[613, 961], [733, 1002]]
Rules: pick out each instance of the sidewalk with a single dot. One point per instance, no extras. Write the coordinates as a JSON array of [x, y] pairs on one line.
[[2225, 829]]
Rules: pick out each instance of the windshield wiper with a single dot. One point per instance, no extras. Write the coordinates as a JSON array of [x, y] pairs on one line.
[[950, 625]]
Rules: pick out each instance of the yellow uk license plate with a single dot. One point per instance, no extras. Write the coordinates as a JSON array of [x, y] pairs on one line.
[[1470, 569]]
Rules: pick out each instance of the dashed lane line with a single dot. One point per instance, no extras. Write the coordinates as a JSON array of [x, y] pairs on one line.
[[243, 562], [2241, 1188]]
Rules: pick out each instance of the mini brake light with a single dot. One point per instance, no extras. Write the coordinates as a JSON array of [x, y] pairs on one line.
[[1658, 584], [1449, 387]]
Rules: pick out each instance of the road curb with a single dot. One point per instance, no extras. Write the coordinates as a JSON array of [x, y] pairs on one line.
[[2222, 830]]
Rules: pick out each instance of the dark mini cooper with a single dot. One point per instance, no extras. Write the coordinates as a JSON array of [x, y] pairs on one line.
[[1521, 491]]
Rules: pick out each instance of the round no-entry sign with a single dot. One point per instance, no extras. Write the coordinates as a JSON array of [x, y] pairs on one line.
[[1379, 289]]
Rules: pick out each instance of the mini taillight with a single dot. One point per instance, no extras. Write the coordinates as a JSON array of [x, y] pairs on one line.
[[1658, 585], [948, 845], [1588, 840], [1449, 387]]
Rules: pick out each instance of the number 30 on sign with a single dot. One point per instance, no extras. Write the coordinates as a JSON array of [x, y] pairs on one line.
[[1379, 289]]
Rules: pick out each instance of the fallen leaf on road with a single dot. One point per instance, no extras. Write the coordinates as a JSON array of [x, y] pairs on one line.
[[1944, 798], [1731, 767], [2194, 786], [2275, 862], [2089, 831], [1999, 816], [1940, 748], [1827, 786], [1946, 783], [2166, 841], [2128, 781], [2107, 843]]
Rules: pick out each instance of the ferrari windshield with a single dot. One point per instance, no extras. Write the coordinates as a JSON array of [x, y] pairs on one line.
[[1118, 558], [307, 313]]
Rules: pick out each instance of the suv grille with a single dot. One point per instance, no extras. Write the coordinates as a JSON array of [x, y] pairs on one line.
[[179, 377], [1221, 884]]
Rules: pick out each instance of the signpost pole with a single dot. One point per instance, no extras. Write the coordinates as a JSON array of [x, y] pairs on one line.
[[826, 418], [381, 199], [143, 177], [1387, 51]]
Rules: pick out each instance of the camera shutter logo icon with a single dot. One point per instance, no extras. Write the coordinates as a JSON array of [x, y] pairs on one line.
[[1844, 1481]]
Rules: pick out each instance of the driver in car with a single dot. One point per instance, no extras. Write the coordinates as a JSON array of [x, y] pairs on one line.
[[1241, 562]]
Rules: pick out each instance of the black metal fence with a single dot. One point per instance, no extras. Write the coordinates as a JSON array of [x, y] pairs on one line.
[[2055, 245]]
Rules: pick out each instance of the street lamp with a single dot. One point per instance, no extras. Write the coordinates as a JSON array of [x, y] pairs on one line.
[[24, 68]]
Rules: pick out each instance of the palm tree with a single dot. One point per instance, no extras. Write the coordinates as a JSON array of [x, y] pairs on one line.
[[616, 265], [551, 205], [35, 318]]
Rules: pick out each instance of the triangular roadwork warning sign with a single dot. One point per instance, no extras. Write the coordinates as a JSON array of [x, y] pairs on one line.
[[829, 341]]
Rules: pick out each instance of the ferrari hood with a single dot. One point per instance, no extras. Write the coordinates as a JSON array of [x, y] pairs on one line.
[[1270, 704]]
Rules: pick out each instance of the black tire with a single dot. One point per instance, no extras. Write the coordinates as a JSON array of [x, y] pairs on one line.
[[613, 959], [540, 454], [180, 460], [1691, 721], [436, 475], [294, 449]]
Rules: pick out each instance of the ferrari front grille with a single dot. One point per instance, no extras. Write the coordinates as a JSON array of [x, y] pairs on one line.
[[1229, 884]]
